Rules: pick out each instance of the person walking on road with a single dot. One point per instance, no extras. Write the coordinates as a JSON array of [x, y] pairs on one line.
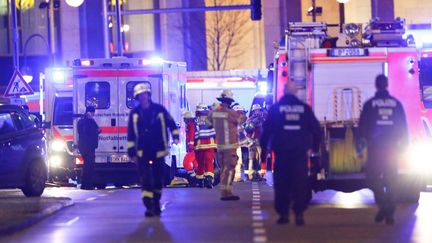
[[147, 142], [88, 139], [225, 122], [292, 130], [383, 130]]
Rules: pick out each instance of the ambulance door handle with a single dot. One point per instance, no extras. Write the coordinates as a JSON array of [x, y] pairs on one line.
[[115, 148], [121, 147], [113, 122]]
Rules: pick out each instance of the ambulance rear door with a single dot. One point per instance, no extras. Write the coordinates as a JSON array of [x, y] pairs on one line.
[[128, 79], [99, 88]]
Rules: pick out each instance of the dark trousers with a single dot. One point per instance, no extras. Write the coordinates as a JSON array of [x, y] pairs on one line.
[[151, 173], [291, 182], [88, 168], [381, 176]]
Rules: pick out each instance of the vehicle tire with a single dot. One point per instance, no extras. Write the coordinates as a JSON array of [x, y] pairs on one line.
[[35, 179]]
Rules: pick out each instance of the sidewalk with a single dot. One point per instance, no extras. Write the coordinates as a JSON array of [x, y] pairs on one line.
[[19, 212]]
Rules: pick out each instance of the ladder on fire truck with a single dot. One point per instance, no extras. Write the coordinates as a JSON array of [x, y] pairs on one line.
[[300, 38]]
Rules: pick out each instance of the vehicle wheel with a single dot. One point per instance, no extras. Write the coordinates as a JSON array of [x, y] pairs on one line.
[[101, 186], [36, 177]]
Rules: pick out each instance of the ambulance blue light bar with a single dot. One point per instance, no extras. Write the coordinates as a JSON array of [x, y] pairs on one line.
[[152, 61]]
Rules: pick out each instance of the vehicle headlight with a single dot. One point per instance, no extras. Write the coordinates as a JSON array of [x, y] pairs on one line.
[[58, 145], [56, 161], [420, 157]]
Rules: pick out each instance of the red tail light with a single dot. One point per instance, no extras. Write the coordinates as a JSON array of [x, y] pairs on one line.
[[79, 160]]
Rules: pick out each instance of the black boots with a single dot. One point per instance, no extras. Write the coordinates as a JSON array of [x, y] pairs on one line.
[[208, 182], [299, 220], [283, 220]]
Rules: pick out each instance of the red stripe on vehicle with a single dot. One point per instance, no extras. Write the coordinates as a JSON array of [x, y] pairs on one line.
[[118, 73], [113, 130]]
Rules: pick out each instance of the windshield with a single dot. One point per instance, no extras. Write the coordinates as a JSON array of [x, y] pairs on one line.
[[63, 113]]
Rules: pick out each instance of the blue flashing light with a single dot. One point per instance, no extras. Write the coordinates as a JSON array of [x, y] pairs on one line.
[[58, 76]]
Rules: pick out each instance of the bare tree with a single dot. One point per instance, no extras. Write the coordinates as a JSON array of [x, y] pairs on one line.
[[225, 31]]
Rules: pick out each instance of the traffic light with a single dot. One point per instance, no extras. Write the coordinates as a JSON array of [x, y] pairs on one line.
[[256, 12]]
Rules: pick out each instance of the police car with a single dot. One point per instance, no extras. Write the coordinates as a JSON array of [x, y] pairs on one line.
[[22, 152]]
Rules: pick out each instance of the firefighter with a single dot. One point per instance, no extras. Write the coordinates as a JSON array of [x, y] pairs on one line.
[[205, 146], [242, 151], [253, 128], [189, 163], [383, 129], [225, 122], [292, 129], [88, 138], [148, 145]]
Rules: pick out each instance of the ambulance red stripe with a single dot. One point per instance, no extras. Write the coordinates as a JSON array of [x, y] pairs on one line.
[[113, 130], [117, 73]]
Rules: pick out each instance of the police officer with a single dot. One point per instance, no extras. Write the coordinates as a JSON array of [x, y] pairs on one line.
[[383, 129], [225, 122], [148, 145], [292, 129], [88, 139]]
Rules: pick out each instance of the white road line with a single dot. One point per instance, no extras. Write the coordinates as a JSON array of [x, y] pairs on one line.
[[103, 195], [111, 191], [72, 221], [257, 218], [256, 207], [257, 224], [259, 231], [260, 239], [255, 212], [91, 199]]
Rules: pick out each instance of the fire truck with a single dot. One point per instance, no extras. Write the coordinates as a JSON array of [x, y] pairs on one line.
[[108, 84], [336, 76], [53, 105]]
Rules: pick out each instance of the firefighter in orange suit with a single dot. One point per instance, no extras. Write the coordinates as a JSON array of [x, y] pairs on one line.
[[225, 122], [205, 146], [253, 128], [147, 142], [189, 163]]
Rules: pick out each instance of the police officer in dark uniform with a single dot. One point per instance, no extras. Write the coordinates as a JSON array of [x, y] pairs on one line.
[[88, 138], [148, 145], [383, 129], [292, 130]]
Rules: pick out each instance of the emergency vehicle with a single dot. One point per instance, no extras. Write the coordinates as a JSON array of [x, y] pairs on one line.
[[337, 79], [108, 84], [53, 105]]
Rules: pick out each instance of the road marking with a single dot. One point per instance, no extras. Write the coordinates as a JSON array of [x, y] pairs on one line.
[[111, 191], [103, 195], [72, 221], [259, 239], [257, 217], [257, 224], [91, 199], [259, 231], [256, 207], [256, 212]]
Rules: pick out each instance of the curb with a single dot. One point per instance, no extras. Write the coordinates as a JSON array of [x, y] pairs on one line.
[[36, 217]]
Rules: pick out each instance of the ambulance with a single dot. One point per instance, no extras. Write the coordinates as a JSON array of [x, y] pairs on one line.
[[53, 105], [336, 80], [108, 84]]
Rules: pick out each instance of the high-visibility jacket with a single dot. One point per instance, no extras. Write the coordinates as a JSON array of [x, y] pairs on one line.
[[205, 136], [147, 131], [225, 122], [190, 132]]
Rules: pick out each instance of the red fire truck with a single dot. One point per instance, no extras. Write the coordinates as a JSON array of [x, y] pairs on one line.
[[337, 80]]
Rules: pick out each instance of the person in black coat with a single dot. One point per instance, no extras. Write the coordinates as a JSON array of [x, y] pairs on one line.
[[88, 138], [147, 142], [384, 131], [292, 130]]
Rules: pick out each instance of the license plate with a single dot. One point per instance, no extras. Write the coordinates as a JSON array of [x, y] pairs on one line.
[[348, 52], [118, 158]]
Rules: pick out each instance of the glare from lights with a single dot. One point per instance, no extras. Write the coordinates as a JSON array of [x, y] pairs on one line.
[[203, 85], [85, 62], [145, 62], [28, 78], [58, 76], [262, 87], [342, 1], [246, 84], [74, 3], [55, 161], [126, 28], [58, 145], [419, 155], [110, 25], [157, 60]]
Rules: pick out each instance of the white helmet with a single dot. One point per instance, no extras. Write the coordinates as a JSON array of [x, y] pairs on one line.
[[239, 108], [142, 88], [188, 115], [201, 107], [256, 107], [226, 94]]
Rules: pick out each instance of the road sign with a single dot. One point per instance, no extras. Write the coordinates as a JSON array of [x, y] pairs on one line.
[[18, 86]]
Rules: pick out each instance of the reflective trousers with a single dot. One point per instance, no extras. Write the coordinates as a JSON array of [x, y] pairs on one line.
[[152, 177], [205, 158], [254, 159], [291, 184], [227, 160]]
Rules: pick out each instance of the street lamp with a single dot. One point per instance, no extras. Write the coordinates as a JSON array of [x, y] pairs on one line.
[[26, 71], [74, 3]]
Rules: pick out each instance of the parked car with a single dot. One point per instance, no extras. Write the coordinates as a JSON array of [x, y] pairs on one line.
[[23, 150]]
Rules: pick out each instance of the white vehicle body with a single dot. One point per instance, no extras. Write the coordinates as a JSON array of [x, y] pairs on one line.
[[107, 84]]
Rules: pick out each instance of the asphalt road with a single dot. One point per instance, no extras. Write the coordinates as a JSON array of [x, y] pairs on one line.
[[197, 215]]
